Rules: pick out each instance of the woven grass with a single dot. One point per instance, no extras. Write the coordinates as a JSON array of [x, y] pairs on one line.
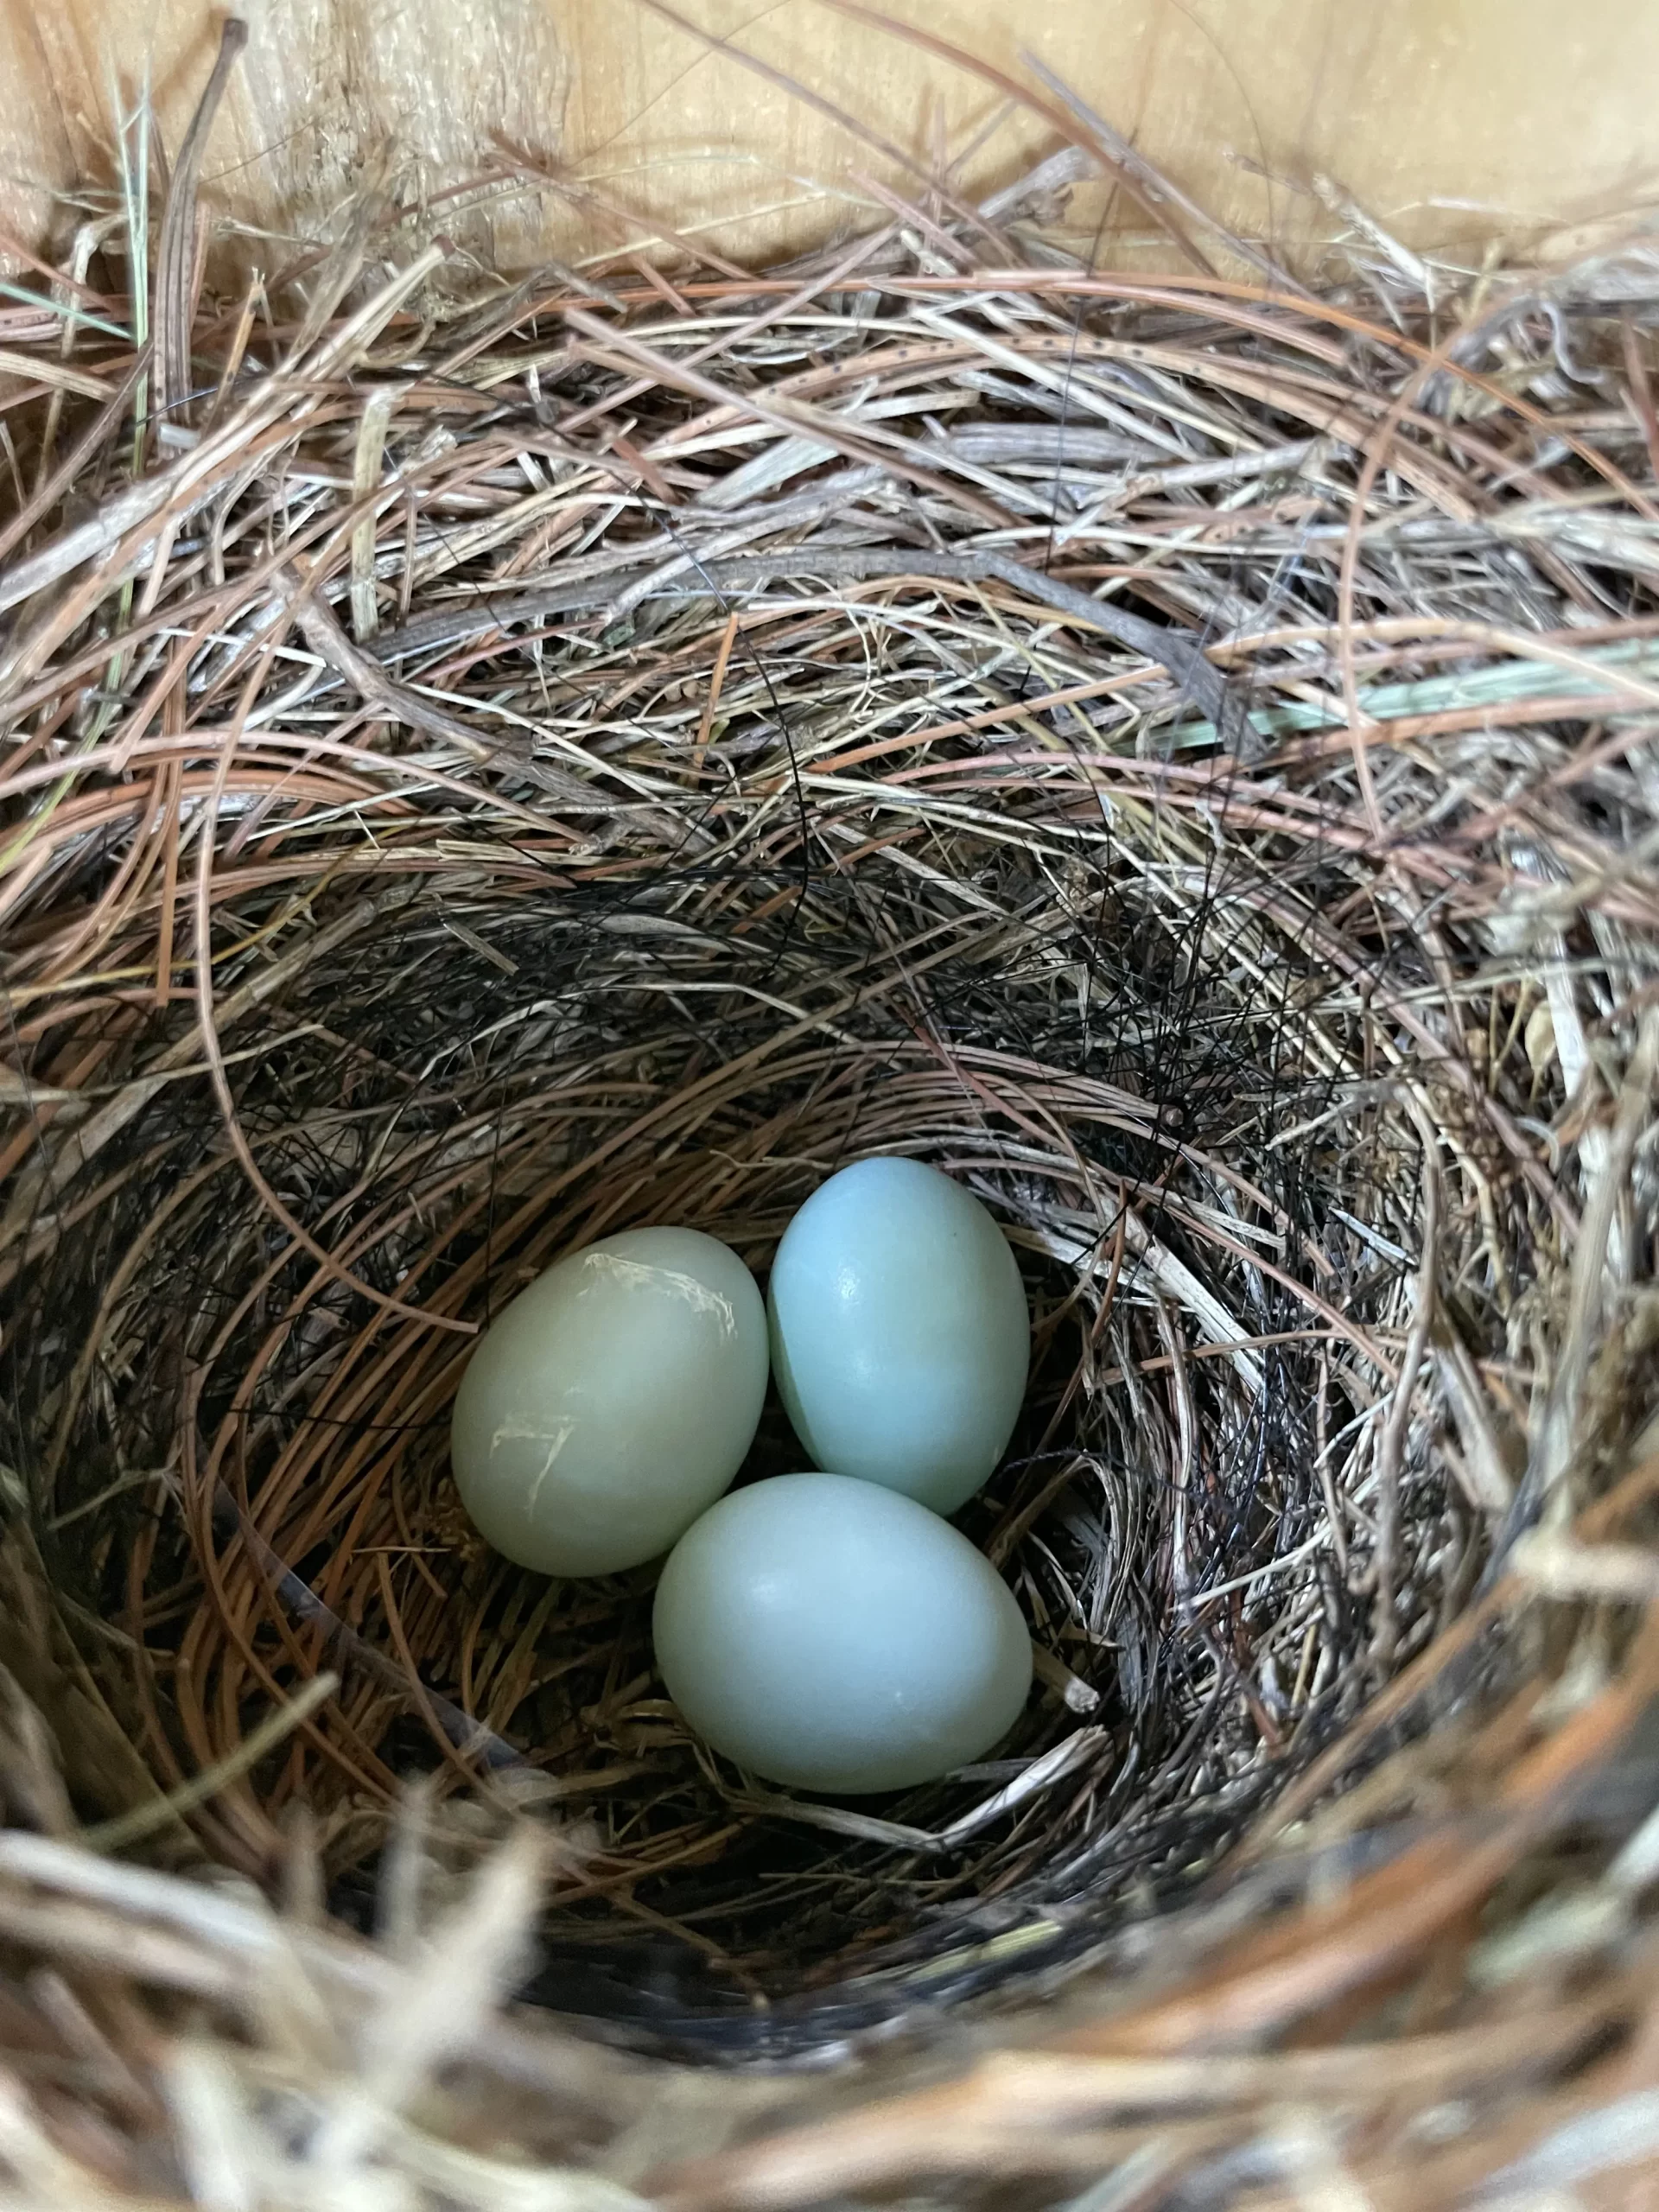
[[486, 771]]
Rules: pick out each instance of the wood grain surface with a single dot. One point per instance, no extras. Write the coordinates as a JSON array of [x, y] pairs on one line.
[[1452, 121]]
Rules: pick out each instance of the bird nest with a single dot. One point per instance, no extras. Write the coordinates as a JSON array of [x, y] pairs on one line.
[[1175, 754]]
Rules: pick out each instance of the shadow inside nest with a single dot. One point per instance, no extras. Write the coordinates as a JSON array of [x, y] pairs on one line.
[[240, 1464]]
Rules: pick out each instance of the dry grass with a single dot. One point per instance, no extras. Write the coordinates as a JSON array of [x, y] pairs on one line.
[[1179, 755]]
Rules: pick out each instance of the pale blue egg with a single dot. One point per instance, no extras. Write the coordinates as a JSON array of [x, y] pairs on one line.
[[900, 1338], [834, 1636]]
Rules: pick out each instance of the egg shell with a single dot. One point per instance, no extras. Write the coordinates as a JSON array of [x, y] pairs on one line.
[[611, 1402], [901, 1337], [834, 1636]]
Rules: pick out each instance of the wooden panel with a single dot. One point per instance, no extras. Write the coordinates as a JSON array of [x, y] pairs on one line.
[[1452, 120]]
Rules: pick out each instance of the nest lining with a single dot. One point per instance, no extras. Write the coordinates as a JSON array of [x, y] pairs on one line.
[[604, 805], [500, 1064]]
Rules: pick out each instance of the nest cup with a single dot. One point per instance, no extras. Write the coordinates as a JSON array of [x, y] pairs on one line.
[[482, 1068], [1163, 755]]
